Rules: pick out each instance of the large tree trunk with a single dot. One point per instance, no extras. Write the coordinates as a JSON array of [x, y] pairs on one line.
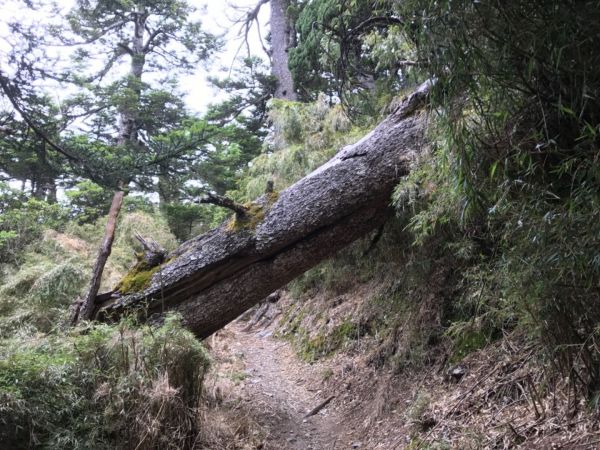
[[282, 39], [215, 277]]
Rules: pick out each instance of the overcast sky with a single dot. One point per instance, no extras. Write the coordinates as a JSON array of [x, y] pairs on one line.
[[217, 17]]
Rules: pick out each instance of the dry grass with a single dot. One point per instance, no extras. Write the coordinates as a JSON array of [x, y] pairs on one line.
[[227, 422], [507, 399]]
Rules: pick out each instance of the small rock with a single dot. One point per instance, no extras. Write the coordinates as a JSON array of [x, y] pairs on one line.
[[356, 444], [457, 372]]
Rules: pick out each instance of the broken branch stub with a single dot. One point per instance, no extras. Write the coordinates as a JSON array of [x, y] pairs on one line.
[[154, 254], [224, 202]]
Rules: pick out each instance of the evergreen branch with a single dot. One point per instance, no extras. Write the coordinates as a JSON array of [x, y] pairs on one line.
[[6, 88], [373, 22]]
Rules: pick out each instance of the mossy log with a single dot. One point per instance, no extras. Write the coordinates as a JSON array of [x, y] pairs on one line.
[[213, 278]]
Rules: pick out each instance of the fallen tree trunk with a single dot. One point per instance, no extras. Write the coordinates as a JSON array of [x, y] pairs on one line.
[[215, 277]]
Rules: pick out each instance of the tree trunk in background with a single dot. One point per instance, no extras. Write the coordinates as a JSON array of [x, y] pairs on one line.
[[215, 277], [129, 111], [282, 39], [43, 185], [168, 190], [88, 306]]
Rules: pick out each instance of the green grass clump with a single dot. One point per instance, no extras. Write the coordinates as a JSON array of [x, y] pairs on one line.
[[104, 387], [255, 214], [53, 271], [100, 387], [37, 295], [311, 347]]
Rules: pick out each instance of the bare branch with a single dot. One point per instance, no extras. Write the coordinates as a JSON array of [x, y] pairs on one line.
[[151, 38], [246, 21], [224, 202]]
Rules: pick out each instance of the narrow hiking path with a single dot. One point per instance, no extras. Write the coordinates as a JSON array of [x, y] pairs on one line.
[[280, 390]]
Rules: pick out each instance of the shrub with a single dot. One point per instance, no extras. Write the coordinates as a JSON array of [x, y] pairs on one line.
[[55, 269], [23, 221], [88, 201], [514, 166], [108, 387]]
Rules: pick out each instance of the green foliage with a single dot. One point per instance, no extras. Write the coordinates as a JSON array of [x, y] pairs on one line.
[[249, 88], [187, 219], [355, 51], [23, 220], [514, 168], [54, 269], [102, 387], [25, 157], [89, 201], [304, 137], [129, 128], [137, 279]]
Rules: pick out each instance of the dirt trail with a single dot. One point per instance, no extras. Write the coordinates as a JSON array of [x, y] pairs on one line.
[[282, 390]]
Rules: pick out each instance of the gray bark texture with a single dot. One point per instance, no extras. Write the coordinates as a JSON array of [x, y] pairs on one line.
[[213, 278], [282, 39]]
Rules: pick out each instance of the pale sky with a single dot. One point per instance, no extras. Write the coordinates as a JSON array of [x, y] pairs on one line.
[[216, 18]]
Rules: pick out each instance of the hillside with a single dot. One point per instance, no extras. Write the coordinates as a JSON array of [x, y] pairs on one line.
[[383, 233]]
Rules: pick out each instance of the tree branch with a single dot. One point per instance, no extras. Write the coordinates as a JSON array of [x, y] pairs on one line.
[[6, 88], [224, 202], [151, 38], [373, 22]]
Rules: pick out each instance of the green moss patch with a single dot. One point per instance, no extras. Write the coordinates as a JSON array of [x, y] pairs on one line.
[[255, 214], [324, 344], [468, 342], [137, 279]]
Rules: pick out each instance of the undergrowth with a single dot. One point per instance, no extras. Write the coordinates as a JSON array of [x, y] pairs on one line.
[[514, 168], [120, 386], [504, 207], [54, 269], [303, 137], [95, 386]]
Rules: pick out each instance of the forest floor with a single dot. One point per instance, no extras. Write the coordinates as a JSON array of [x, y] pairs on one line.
[[278, 391], [259, 394]]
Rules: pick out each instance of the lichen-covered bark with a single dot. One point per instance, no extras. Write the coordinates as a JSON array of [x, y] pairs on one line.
[[213, 278]]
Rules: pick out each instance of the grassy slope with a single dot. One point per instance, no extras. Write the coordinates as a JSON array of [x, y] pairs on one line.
[[100, 386]]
